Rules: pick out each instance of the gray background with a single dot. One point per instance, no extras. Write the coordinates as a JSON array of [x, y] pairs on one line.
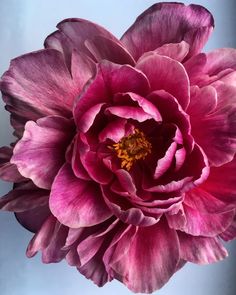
[[23, 26]]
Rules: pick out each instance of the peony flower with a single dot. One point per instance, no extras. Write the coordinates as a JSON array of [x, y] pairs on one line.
[[125, 151]]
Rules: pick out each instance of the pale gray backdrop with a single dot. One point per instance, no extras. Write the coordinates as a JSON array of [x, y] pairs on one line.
[[23, 26]]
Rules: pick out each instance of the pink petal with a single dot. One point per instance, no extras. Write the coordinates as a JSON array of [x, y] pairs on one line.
[[160, 71], [221, 182], [203, 101], [33, 219], [205, 224], [157, 27], [216, 132], [39, 82], [177, 51], [125, 211], [146, 267], [76, 202], [49, 239], [25, 196], [41, 151], [201, 250], [230, 232], [110, 79], [8, 171], [79, 30], [114, 130], [202, 201], [104, 48]]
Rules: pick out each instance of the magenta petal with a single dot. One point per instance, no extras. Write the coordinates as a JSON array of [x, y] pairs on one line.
[[114, 130], [157, 27], [202, 201], [76, 202], [104, 48], [79, 30], [8, 171], [49, 239], [201, 250], [146, 267], [25, 196], [230, 232], [110, 79], [216, 132], [39, 81], [221, 182], [125, 211], [203, 224], [33, 219], [41, 151], [160, 71]]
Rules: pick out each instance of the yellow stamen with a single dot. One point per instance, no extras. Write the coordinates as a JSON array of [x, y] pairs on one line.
[[132, 148]]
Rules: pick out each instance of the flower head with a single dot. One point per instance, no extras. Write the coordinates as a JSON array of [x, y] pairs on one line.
[[125, 148]]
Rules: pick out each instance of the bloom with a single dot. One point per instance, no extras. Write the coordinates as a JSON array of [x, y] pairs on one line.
[[125, 149]]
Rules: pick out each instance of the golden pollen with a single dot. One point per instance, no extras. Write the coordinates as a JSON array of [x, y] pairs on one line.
[[132, 148]]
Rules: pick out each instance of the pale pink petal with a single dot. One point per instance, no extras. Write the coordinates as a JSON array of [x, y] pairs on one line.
[[76, 202], [156, 26], [201, 250], [41, 151], [160, 71], [177, 51]]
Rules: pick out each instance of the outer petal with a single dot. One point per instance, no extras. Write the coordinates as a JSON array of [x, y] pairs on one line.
[[76, 202], [41, 151], [150, 261], [8, 171], [39, 83], [157, 26], [215, 132], [50, 239], [160, 71], [24, 197], [201, 250], [221, 182], [79, 30]]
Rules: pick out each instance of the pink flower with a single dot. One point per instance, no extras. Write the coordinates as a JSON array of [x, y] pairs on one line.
[[125, 151]]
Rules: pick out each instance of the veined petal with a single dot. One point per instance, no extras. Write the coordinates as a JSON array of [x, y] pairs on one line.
[[157, 27], [76, 202], [41, 151]]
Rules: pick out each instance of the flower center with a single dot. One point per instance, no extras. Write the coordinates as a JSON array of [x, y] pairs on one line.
[[132, 148]]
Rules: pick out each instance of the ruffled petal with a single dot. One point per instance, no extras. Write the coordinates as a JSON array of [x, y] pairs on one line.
[[148, 260], [160, 71], [49, 239], [109, 80], [157, 27], [201, 250], [41, 151], [76, 202]]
